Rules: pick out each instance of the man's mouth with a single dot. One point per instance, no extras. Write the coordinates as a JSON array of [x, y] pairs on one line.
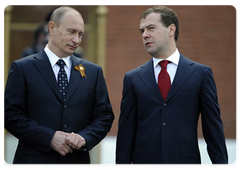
[[72, 47], [148, 44]]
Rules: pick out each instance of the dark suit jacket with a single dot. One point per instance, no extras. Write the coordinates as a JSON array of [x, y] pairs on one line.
[[34, 110], [154, 131]]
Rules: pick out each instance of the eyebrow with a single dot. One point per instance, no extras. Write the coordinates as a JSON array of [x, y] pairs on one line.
[[149, 25], [75, 30]]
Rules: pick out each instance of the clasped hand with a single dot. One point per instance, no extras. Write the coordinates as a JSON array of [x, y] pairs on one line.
[[64, 143]]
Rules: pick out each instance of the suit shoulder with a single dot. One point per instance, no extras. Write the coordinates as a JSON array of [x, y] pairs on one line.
[[136, 70], [26, 60], [133, 71], [90, 63], [194, 63], [86, 62]]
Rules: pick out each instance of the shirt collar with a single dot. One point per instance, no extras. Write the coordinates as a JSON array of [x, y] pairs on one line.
[[174, 58], [53, 58]]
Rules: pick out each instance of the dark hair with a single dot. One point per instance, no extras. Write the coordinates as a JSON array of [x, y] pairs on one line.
[[167, 17]]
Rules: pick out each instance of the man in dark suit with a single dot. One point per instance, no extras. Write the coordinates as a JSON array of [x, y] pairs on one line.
[[161, 104], [57, 121]]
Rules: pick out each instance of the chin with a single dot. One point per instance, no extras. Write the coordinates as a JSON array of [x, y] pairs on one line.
[[69, 52], [151, 52]]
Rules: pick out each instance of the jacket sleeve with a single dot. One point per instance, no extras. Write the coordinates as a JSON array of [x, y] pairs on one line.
[[16, 116], [102, 116], [127, 124], [211, 121]]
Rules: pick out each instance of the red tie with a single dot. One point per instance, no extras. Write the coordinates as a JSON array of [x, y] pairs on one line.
[[164, 83]]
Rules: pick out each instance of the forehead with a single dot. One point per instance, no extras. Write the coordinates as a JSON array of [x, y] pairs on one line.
[[72, 19], [151, 19]]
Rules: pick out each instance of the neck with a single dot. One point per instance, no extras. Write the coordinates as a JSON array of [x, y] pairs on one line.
[[56, 50], [166, 53]]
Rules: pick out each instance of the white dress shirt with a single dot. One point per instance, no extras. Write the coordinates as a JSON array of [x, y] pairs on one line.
[[171, 67], [53, 58]]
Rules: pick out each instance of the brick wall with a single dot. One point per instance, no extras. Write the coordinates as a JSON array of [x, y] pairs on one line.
[[207, 35]]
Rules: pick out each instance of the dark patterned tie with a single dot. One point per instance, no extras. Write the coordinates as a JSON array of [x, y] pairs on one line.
[[62, 79], [164, 82]]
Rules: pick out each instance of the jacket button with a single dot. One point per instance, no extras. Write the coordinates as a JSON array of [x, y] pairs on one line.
[[65, 126], [164, 124], [164, 104], [64, 106]]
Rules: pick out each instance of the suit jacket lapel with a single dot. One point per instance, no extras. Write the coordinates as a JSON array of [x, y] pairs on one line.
[[147, 76], [75, 77], [184, 71], [44, 67]]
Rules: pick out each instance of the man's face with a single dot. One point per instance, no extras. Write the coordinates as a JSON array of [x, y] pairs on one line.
[[154, 35], [67, 37]]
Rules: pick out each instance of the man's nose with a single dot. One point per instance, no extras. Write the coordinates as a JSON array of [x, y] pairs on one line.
[[145, 34], [77, 39]]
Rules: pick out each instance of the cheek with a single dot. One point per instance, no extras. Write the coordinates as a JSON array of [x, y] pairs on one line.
[[64, 40], [143, 40]]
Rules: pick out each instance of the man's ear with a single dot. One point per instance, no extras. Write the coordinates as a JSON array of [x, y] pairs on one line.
[[172, 29], [51, 27]]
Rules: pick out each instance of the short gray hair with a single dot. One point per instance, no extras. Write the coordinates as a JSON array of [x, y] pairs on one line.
[[58, 14]]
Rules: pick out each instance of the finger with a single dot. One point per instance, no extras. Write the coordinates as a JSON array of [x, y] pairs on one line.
[[68, 149], [62, 153], [69, 136], [74, 144], [73, 138], [77, 144], [73, 141], [69, 139]]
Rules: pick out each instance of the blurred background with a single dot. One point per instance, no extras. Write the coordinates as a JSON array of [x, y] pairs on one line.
[[112, 40]]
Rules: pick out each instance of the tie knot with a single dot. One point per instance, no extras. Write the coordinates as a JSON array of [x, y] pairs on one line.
[[61, 63], [163, 63]]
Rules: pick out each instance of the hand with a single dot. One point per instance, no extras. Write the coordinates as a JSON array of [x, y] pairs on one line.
[[75, 140], [59, 144]]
